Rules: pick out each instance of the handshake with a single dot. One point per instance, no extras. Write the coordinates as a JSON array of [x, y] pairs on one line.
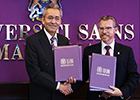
[[65, 88]]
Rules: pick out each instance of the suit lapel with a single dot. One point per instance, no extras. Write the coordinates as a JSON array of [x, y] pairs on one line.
[[60, 40], [117, 49], [46, 47], [97, 48]]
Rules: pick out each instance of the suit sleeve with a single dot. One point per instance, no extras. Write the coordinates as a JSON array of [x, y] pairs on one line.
[[36, 74], [85, 64], [132, 76]]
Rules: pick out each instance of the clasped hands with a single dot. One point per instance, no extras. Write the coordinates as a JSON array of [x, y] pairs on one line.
[[65, 88]]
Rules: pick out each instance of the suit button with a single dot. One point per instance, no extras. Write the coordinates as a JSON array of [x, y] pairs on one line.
[[47, 64], [100, 96]]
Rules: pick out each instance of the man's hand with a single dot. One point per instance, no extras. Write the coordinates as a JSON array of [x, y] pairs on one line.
[[65, 88], [71, 80], [115, 92]]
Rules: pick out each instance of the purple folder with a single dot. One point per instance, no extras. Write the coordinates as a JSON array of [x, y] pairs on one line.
[[68, 62], [102, 72]]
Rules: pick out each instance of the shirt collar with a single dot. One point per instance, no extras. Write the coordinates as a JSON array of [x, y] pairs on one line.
[[111, 45], [49, 36]]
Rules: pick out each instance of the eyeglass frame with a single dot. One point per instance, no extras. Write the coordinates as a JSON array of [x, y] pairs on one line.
[[57, 18], [106, 28]]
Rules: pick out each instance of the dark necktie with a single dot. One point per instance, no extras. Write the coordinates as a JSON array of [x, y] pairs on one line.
[[107, 49], [105, 95], [52, 42]]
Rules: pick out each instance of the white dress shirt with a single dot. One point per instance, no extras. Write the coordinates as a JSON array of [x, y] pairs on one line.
[[49, 37], [111, 50]]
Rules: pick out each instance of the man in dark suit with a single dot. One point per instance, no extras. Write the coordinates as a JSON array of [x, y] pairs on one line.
[[126, 72], [39, 58]]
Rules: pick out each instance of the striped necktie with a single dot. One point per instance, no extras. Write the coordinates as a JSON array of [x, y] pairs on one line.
[[52, 42]]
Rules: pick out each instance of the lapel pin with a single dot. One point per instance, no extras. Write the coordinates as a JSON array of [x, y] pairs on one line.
[[118, 53]]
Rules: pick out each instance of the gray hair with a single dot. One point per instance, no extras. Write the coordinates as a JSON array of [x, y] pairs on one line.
[[107, 17], [53, 6]]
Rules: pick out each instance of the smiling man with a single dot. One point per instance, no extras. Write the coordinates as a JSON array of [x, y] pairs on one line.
[[51, 20], [126, 68], [39, 58], [107, 30]]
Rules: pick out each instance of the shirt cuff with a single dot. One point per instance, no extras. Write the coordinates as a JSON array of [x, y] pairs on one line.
[[121, 97], [58, 84]]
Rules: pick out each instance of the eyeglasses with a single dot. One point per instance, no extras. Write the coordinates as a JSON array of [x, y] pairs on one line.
[[57, 18], [106, 28]]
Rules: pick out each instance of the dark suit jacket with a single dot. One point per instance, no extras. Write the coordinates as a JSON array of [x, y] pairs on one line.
[[126, 72], [39, 60]]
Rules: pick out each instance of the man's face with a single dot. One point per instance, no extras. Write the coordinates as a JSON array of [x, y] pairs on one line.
[[107, 31], [52, 20]]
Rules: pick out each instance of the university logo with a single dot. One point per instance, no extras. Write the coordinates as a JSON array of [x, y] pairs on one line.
[[36, 8], [103, 71], [63, 61], [67, 62]]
